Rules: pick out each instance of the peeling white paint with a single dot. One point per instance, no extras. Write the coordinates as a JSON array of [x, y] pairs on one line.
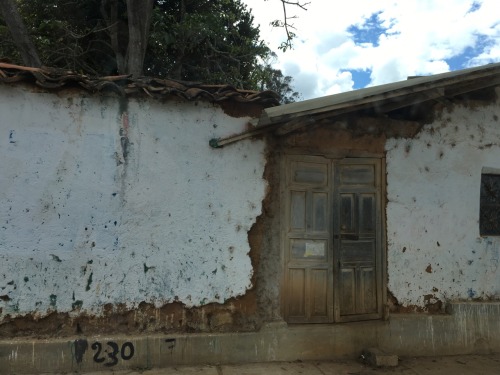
[[82, 225], [433, 186]]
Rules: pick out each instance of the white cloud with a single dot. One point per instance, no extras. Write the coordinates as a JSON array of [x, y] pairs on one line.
[[341, 82], [332, 41], [490, 55], [417, 38]]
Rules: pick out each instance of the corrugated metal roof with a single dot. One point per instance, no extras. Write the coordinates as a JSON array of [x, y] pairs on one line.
[[125, 85], [384, 98]]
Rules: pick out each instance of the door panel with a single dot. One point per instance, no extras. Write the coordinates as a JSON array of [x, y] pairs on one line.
[[368, 298], [367, 213], [357, 174], [347, 215], [298, 210], [309, 173], [348, 291], [319, 291], [297, 301], [332, 239], [357, 252], [320, 218]]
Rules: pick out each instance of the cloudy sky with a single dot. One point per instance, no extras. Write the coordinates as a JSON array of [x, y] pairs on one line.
[[345, 45]]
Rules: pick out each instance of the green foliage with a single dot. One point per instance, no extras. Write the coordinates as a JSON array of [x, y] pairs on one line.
[[211, 41], [8, 50], [274, 80]]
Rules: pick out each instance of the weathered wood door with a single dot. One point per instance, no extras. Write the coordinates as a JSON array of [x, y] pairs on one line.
[[332, 239], [308, 242], [357, 239]]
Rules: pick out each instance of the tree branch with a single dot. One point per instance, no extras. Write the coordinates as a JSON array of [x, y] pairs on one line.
[[286, 22], [296, 3], [112, 22]]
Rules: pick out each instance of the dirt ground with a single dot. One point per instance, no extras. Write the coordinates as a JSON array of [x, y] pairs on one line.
[[445, 365]]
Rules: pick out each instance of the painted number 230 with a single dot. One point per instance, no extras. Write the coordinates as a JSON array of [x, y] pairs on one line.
[[126, 352]]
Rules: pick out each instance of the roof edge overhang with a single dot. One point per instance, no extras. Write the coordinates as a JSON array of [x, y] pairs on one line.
[[291, 117]]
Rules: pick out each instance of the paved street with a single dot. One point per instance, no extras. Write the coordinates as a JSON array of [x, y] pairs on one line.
[[455, 365]]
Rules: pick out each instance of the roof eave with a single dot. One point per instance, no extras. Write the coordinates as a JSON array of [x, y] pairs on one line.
[[377, 94], [291, 117]]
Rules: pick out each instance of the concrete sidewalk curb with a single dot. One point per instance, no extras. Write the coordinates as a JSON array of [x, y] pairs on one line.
[[471, 328]]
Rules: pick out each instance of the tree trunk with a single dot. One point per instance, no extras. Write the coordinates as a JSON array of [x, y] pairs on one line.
[[139, 20], [19, 33], [176, 72], [113, 24]]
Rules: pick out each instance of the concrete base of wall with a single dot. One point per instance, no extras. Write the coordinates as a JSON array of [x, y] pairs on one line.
[[467, 328]]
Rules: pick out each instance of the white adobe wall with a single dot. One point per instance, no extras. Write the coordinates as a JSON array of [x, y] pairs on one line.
[[433, 186], [82, 226]]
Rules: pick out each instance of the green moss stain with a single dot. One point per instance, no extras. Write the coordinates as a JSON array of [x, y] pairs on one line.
[[53, 300], [89, 282], [56, 258], [14, 307]]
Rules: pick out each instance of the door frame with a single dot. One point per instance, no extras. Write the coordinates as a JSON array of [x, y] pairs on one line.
[[284, 211]]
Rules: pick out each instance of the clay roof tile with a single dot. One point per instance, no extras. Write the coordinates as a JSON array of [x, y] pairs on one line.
[[126, 85]]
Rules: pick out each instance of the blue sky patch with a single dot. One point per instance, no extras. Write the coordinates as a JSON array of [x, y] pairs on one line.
[[461, 61], [369, 31], [475, 6], [361, 78]]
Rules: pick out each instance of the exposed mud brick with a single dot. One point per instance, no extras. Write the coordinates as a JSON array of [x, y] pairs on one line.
[[221, 320]]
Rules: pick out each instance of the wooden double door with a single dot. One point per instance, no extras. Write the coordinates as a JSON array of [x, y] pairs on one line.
[[332, 239]]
